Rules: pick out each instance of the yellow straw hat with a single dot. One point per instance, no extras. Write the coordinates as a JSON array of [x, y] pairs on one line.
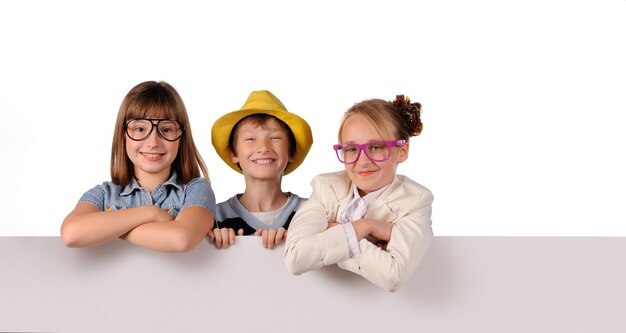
[[265, 102]]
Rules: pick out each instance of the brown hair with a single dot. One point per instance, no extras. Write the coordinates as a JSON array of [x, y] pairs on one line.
[[261, 119], [399, 119], [160, 100]]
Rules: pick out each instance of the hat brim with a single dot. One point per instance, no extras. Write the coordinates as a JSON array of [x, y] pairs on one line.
[[220, 133]]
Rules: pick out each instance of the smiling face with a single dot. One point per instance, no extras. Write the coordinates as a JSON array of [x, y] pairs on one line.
[[152, 158], [261, 150], [366, 174]]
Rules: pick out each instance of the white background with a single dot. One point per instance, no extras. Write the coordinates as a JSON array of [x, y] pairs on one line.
[[523, 101]]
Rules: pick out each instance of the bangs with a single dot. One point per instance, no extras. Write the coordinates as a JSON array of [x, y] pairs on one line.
[[256, 119], [383, 126], [152, 106], [151, 112], [264, 121]]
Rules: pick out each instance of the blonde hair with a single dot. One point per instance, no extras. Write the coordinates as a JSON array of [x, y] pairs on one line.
[[160, 100], [399, 119]]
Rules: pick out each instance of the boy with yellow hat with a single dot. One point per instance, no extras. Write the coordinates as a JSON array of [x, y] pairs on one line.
[[263, 141]]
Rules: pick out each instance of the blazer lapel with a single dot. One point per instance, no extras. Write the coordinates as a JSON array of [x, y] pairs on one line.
[[341, 190], [380, 209]]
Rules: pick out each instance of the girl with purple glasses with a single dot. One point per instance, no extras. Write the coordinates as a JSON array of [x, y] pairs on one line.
[[367, 219]]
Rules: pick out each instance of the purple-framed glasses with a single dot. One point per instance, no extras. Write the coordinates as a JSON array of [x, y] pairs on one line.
[[377, 151]]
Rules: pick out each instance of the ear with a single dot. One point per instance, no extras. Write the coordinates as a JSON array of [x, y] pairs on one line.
[[234, 158], [291, 158], [403, 153]]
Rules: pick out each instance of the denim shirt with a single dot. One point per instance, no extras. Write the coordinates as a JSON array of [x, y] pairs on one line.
[[171, 196]]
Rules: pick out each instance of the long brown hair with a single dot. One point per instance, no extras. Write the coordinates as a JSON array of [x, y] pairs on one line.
[[157, 100]]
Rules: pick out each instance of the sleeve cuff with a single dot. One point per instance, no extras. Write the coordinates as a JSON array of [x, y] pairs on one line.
[[353, 242]]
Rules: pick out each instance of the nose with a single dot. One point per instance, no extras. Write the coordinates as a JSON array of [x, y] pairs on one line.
[[153, 139], [262, 145], [363, 159]]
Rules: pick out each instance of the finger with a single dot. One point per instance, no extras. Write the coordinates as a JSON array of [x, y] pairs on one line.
[[258, 232], [240, 232], [271, 238], [225, 237], [264, 238], [281, 234], [231, 236], [217, 238], [211, 236]]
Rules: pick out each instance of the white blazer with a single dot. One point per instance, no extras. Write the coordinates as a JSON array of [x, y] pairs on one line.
[[405, 203]]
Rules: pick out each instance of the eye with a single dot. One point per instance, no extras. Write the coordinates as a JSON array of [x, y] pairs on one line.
[[276, 138], [138, 129], [168, 127], [376, 147], [348, 149]]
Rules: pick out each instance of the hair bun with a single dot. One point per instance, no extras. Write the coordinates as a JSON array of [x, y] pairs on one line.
[[410, 113]]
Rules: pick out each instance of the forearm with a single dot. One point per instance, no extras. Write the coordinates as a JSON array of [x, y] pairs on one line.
[[362, 228], [314, 249], [170, 236], [181, 235], [389, 268], [88, 227], [408, 240], [312, 240]]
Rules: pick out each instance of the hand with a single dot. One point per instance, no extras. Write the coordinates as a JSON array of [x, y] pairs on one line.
[[380, 230], [223, 237], [332, 224], [159, 215], [156, 215], [272, 237]]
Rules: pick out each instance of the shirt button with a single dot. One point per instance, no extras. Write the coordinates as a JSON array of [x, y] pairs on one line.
[[361, 202]]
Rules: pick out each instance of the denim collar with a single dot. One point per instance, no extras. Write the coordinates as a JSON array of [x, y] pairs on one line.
[[134, 184]]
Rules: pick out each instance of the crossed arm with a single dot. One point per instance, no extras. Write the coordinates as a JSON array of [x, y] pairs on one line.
[[315, 240], [147, 226], [314, 243]]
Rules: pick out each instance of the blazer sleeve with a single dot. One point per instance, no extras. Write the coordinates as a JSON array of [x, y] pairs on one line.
[[310, 245], [410, 237]]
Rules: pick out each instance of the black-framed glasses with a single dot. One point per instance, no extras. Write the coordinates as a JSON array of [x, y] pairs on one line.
[[140, 129], [377, 151]]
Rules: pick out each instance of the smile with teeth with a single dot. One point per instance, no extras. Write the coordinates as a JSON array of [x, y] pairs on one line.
[[152, 155], [264, 161]]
